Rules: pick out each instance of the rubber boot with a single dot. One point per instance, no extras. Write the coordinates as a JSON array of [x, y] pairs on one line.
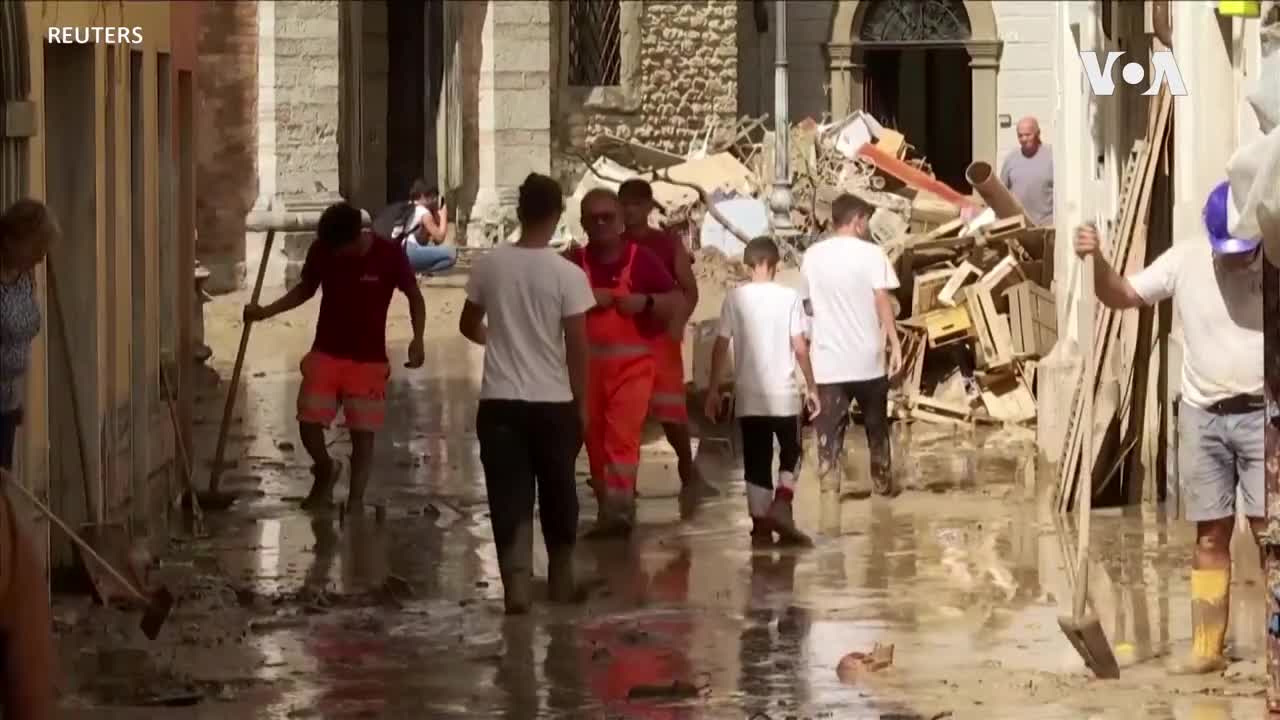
[[1210, 608], [784, 523], [515, 563], [561, 587], [617, 515]]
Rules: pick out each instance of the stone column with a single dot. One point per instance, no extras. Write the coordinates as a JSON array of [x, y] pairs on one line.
[[298, 109], [514, 111], [984, 62], [839, 69]]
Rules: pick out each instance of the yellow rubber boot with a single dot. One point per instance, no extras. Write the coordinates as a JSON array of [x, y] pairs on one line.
[[1210, 610]]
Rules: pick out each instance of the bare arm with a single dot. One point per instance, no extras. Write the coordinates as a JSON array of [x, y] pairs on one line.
[[800, 346], [471, 323], [1113, 289], [670, 306], [686, 280], [300, 293], [435, 231], [575, 347], [719, 353], [417, 311], [888, 323]]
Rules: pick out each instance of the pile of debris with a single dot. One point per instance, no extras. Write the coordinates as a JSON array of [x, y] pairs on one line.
[[976, 277]]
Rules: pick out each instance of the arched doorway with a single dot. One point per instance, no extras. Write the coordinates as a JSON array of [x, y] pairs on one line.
[[926, 67]]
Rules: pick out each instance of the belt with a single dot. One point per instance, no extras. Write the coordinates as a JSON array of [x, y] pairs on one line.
[[1238, 405]]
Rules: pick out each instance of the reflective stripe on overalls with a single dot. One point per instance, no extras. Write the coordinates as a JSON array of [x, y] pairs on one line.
[[620, 380]]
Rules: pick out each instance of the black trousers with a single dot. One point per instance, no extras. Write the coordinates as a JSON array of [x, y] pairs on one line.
[[9, 422], [758, 434], [528, 450], [831, 423]]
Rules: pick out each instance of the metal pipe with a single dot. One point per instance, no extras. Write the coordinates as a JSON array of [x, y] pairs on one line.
[[780, 199], [984, 180], [1162, 22], [262, 221]]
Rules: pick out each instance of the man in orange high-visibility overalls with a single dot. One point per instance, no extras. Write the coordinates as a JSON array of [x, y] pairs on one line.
[[635, 299], [668, 404]]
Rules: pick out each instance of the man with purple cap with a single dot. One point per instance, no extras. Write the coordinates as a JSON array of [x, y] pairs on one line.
[[1216, 288]]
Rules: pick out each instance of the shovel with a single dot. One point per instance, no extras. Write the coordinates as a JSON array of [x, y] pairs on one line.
[[183, 456], [158, 604], [213, 498], [1082, 627]]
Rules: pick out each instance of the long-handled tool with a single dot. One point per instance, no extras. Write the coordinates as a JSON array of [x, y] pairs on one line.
[[1082, 627], [197, 515], [213, 499], [158, 604]]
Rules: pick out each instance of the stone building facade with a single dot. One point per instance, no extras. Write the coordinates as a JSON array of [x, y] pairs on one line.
[[354, 99]]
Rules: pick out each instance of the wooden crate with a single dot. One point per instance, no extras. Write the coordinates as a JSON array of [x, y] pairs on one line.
[[944, 325], [924, 298], [995, 348], [1033, 319]]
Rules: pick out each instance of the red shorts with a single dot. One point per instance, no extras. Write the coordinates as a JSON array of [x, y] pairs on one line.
[[668, 402], [359, 388]]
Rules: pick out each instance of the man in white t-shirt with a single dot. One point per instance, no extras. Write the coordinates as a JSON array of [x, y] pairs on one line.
[[533, 393], [847, 283], [766, 323], [1216, 286]]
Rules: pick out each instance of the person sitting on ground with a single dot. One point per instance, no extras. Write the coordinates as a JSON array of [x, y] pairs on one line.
[[533, 393], [668, 405], [636, 300], [425, 231], [26, 624], [1215, 282], [26, 232], [765, 321], [347, 366]]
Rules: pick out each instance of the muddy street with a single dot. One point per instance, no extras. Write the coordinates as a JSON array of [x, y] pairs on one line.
[[397, 613]]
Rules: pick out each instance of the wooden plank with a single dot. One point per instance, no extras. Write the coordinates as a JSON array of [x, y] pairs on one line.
[[1138, 180], [947, 296], [1004, 228], [948, 229], [891, 142]]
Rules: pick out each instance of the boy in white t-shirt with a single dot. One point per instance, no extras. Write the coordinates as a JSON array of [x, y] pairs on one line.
[[766, 323]]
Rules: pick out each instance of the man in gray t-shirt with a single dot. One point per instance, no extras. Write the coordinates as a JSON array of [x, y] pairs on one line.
[[1028, 173]]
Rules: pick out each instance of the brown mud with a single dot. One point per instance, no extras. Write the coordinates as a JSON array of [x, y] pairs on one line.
[[280, 615]]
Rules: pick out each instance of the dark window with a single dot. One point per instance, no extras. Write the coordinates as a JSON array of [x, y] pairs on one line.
[[595, 42]]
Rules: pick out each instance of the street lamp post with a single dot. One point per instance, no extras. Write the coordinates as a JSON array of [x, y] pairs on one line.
[[780, 199]]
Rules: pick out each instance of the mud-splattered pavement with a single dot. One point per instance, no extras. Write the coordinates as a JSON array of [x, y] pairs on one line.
[[284, 616]]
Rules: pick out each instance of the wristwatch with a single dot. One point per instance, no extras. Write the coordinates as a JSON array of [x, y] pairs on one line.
[[648, 303]]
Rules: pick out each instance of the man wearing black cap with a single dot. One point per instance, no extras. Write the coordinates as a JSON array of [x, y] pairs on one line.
[[1216, 287]]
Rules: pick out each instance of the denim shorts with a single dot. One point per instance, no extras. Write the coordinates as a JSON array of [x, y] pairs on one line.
[[1218, 454]]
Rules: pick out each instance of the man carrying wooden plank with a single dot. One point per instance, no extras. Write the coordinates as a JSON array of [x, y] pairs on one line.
[[846, 289], [1216, 288]]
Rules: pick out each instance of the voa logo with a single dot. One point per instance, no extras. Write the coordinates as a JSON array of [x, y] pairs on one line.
[[1165, 70]]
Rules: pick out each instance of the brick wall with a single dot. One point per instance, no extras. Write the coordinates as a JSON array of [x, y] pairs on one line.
[[688, 73], [226, 157]]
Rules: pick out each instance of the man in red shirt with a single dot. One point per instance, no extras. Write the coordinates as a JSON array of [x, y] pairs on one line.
[[347, 366], [668, 404], [636, 299]]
